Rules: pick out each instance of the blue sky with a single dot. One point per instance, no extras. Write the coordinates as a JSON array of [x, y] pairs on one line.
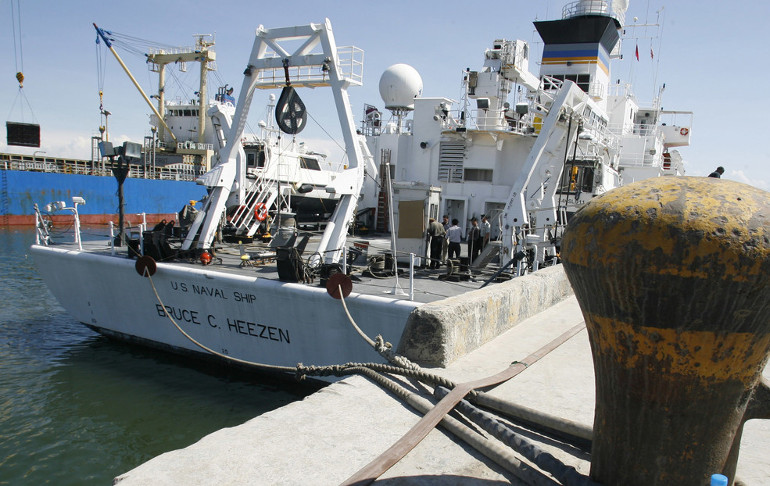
[[707, 54]]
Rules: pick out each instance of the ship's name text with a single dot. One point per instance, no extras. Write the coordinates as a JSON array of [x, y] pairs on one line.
[[258, 330], [239, 326]]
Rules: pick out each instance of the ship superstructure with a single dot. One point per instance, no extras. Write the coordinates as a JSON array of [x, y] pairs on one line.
[[525, 150]]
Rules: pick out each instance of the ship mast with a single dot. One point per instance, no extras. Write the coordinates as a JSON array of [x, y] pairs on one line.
[[202, 54]]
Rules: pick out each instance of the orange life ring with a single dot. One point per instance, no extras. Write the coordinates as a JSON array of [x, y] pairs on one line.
[[684, 131], [260, 211]]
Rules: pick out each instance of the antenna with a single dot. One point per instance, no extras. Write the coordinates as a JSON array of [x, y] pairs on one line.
[[400, 84]]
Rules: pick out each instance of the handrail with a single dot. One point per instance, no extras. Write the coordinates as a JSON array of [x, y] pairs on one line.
[[350, 66], [188, 172], [592, 7]]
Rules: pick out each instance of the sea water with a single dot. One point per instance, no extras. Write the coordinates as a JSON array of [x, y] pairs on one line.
[[79, 409]]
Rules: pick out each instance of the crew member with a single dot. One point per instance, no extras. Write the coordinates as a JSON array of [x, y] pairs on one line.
[[454, 235], [474, 240], [486, 230], [437, 236]]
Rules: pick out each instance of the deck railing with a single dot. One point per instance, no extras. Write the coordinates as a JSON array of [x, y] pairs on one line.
[[87, 167]]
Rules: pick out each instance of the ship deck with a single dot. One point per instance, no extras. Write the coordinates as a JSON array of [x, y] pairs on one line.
[[425, 285]]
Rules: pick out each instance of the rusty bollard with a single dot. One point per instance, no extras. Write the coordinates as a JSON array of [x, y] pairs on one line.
[[673, 277]]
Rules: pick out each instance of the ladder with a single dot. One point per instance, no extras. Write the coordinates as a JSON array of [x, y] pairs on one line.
[[262, 191], [4, 196], [383, 219]]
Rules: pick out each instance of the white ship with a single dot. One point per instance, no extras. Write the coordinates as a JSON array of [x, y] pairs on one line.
[[524, 150], [527, 163]]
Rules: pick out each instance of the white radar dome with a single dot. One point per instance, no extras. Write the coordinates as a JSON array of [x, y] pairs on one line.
[[399, 84]]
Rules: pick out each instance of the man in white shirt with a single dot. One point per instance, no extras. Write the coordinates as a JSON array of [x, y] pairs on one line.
[[454, 235], [486, 229]]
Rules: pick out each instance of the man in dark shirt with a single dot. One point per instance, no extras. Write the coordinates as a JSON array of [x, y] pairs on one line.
[[445, 246], [474, 240]]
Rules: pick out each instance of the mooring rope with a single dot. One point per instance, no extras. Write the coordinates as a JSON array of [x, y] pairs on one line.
[[578, 435], [433, 414], [352, 322], [385, 349], [387, 459]]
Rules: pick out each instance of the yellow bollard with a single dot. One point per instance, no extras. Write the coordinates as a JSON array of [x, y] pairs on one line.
[[673, 277]]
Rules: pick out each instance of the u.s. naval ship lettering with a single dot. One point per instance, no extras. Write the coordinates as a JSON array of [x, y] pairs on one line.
[[179, 286], [244, 297], [209, 291], [214, 292]]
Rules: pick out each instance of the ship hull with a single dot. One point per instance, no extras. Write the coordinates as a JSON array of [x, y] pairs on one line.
[[253, 319], [158, 199]]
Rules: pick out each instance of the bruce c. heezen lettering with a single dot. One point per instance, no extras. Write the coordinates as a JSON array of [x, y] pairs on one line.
[[258, 330], [179, 314]]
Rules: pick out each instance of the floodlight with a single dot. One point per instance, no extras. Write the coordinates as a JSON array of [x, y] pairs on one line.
[[106, 149], [132, 150]]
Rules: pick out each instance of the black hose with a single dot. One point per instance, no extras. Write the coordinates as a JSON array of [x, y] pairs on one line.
[[565, 474], [510, 262], [490, 449], [578, 435]]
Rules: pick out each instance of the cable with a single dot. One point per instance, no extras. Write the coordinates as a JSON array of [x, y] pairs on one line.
[[16, 19], [327, 133]]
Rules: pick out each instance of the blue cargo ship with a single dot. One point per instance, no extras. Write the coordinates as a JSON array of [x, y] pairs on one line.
[[26, 181]]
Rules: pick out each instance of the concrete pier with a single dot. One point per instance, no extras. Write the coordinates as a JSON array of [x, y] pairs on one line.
[[331, 434], [440, 332]]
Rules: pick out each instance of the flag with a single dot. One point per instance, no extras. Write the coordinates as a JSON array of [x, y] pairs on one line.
[[652, 54], [637, 52]]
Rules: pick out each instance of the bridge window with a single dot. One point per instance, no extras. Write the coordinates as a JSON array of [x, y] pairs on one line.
[[309, 163], [583, 81]]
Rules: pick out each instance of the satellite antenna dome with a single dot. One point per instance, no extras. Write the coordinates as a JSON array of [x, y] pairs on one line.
[[399, 85]]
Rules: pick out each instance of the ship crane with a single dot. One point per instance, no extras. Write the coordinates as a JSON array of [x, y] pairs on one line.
[[184, 133], [530, 221], [202, 54], [108, 42]]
